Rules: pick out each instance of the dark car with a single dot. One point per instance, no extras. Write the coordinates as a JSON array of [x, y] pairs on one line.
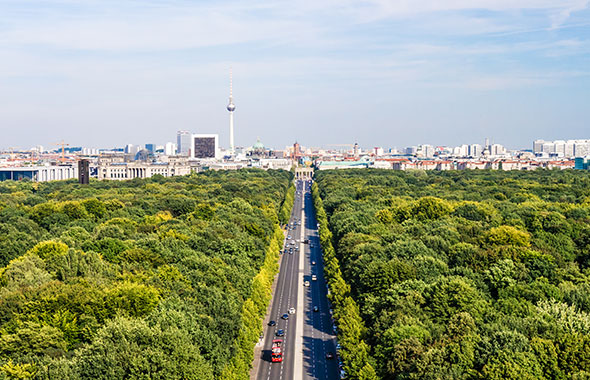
[[315, 308], [285, 316], [330, 355], [272, 323], [280, 332]]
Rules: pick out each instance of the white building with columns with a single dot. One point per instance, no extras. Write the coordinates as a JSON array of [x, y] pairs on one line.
[[39, 173]]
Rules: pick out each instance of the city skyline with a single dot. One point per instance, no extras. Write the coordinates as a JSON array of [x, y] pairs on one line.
[[374, 72]]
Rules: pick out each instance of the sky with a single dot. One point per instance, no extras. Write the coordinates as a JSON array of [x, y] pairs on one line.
[[105, 73]]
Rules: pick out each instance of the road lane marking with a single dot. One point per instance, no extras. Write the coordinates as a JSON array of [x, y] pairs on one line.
[[298, 369], [284, 276]]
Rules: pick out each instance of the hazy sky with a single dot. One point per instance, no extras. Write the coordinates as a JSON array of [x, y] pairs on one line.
[[391, 73]]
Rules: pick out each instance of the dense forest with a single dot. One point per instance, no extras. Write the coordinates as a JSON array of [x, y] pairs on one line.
[[165, 278], [459, 275]]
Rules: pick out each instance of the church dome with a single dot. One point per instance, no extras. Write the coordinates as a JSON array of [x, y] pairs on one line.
[[258, 145]]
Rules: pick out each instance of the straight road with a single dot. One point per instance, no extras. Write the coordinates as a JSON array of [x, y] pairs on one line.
[[309, 334]]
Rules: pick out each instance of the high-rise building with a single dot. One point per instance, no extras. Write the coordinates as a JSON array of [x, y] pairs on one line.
[[183, 142], [463, 150], [231, 108], [150, 147], [582, 148], [475, 150], [205, 146], [548, 147], [559, 147], [497, 150], [569, 148], [169, 149], [427, 150]]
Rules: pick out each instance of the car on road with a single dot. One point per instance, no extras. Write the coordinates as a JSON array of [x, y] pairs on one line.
[[329, 355], [313, 263], [315, 308], [292, 310], [285, 316], [272, 323], [288, 237], [280, 332], [314, 277], [306, 283]]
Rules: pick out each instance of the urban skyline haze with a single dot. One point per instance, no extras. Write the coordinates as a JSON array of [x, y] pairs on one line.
[[376, 72]]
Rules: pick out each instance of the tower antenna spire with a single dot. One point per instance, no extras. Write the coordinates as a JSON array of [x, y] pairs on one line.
[[231, 83], [231, 107]]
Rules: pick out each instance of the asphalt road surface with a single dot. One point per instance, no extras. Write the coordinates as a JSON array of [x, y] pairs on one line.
[[309, 335]]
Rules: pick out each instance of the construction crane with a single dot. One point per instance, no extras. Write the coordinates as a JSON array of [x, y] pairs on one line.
[[12, 149], [63, 149]]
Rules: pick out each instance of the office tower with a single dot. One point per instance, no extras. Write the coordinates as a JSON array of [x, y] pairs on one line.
[[205, 146], [183, 142], [427, 150], [475, 150], [169, 149]]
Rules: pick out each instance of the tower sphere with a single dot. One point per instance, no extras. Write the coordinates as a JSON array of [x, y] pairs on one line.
[[231, 107]]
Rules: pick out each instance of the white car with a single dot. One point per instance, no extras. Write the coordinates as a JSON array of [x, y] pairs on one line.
[[306, 283], [313, 263], [314, 277], [292, 310]]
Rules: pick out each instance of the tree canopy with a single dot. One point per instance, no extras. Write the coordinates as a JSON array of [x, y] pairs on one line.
[[162, 278], [463, 275]]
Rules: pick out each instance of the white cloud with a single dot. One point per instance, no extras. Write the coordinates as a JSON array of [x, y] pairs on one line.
[[164, 62]]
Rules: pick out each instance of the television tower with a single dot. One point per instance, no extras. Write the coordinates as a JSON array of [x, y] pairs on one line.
[[231, 107]]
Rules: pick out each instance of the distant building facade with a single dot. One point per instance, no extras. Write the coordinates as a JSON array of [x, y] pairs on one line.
[[39, 173], [562, 148], [582, 163], [205, 146], [170, 149], [183, 143], [119, 171]]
